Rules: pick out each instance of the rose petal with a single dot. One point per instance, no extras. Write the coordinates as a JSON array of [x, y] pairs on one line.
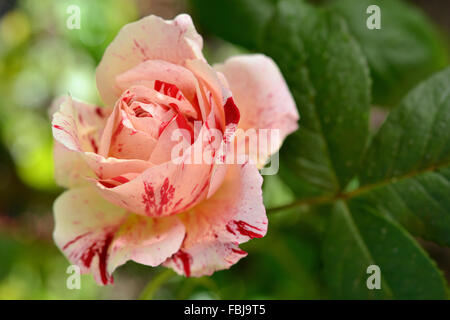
[[76, 128], [176, 127], [98, 236], [171, 187], [150, 38], [106, 168], [145, 240], [210, 90], [129, 143], [262, 96], [214, 228], [122, 140], [71, 170], [150, 71]]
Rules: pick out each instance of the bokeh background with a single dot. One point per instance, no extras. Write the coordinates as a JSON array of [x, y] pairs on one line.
[[40, 59]]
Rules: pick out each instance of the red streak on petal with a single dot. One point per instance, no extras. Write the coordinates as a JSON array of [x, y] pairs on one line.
[[183, 124], [75, 240], [168, 89], [94, 145], [99, 112], [62, 129], [121, 179], [244, 229], [196, 106], [185, 259], [166, 194], [230, 230], [164, 125], [126, 99], [197, 197], [99, 248], [57, 127], [141, 113], [178, 203], [232, 114], [148, 198], [175, 107], [106, 184], [103, 256], [140, 48], [158, 85], [118, 130], [238, 251]]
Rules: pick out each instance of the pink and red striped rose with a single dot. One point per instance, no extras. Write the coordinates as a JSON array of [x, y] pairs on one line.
[[127, 199]]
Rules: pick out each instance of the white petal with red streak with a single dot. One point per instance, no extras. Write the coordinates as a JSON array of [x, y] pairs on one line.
[[98, 236], [77, 127], [71, 170], [214, 228], [145, 240], [262, 95]]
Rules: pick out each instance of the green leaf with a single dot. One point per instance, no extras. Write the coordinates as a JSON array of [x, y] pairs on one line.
[[406, 172], [404, 51], [328, 77], [327, 74], [400, 187], [404, 180], [420, 203], [228, 18], [415, 137], [357, 237]]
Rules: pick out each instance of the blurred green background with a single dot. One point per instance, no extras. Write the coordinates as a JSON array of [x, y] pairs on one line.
[[40, 58]]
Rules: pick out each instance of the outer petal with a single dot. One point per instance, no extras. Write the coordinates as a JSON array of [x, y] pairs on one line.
[[70, 168], [214, 228], [262, 96], [150, 38], [98, 236], [76, 128]]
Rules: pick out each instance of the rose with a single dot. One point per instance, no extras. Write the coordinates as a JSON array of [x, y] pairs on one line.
[[128, 199]]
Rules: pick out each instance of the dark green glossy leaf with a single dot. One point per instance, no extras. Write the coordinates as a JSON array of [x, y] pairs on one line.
[[358, 237], [403, 182], [404, 51], [415, 137], [406, 171], [327, 74]]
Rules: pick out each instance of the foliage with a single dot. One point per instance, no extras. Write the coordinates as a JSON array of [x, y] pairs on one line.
[[344, 198], [380, 191]]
